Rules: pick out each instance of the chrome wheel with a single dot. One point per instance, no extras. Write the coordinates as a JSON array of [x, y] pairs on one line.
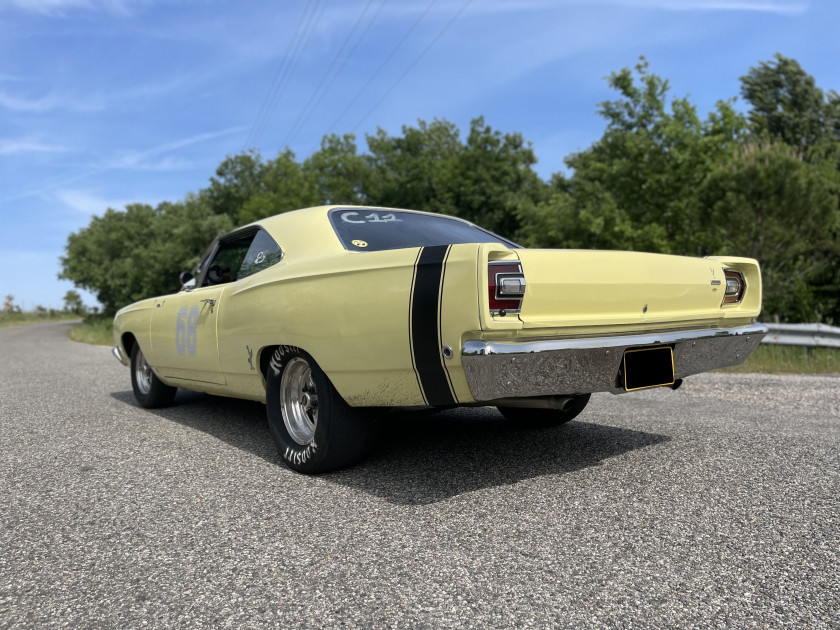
[[299, 401], [143, 373]]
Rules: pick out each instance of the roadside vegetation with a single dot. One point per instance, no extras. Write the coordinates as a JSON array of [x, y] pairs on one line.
[[772, 359], [12, 315], [21, 318], [94, 329]]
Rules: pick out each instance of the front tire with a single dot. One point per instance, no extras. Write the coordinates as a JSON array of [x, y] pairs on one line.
[[544, 418], [149, 390], [314, 428]]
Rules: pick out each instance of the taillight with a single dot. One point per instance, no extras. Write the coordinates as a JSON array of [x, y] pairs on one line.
[[506, 286], [735, 286]]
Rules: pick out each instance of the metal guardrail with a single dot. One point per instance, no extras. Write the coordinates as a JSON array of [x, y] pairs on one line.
[[808, 335]]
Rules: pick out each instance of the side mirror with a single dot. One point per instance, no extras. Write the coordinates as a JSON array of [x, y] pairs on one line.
[[187, 280]]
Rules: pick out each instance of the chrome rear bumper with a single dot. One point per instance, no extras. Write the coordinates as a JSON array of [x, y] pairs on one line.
[[524, 369]]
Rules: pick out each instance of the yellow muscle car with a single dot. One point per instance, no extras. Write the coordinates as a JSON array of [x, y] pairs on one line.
[[325, 312]]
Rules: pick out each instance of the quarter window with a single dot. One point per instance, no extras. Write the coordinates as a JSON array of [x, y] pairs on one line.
[[242, 256], [262, 254]]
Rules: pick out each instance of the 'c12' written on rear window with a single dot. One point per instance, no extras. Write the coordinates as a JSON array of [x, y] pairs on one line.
[[368, 229]]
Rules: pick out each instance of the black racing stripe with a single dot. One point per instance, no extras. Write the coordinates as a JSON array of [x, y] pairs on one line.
[[440, 327], [424, 326], [410, 334]]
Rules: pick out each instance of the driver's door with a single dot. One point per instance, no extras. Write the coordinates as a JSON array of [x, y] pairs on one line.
[[184, 336]]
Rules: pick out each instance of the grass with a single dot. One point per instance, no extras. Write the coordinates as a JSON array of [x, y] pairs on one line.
[[95, 329], [18, 318], [773, 359]]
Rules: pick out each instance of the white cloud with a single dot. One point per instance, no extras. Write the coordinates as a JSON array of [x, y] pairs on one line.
[[90, 203], [60, 7], [137, 160], [49, 103], [782, 7], [100, 101], [163, 165], [140, 159], [19, 146]]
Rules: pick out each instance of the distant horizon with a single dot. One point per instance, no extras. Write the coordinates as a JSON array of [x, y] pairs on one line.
[[109, 102]]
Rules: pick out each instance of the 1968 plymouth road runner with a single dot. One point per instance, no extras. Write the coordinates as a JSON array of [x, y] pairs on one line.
[[325, 312]]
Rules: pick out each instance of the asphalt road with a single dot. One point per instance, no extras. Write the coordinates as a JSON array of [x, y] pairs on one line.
[[715, 506]]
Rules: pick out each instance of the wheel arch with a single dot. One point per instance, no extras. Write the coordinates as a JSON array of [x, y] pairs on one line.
[[267, 352], [128, 341]]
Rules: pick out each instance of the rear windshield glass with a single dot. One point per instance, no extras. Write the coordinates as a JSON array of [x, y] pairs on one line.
[[361, 229]]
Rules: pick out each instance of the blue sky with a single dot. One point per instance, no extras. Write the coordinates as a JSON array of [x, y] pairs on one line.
[[108, 102]]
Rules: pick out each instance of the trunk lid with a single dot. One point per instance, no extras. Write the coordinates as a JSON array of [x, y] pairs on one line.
[[590, 288]]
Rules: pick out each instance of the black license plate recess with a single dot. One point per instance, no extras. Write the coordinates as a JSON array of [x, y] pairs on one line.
[[648, 367]]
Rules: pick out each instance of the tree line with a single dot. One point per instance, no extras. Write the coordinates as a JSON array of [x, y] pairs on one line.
[[764, 183]]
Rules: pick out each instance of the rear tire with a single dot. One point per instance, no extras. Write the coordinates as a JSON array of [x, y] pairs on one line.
[[544, 418], [149, 390], [314, 429]]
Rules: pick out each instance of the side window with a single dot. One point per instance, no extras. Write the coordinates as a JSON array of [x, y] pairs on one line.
[[227, 261], [242, 256], [262, 254]]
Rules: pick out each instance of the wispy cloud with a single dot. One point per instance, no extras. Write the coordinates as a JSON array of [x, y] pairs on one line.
[[90, 202], [50, 102], [97, 101], [61, 7], [782, 7], [19, 146], [139, 160]]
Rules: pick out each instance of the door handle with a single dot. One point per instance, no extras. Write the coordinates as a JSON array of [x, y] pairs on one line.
[[211, 302]]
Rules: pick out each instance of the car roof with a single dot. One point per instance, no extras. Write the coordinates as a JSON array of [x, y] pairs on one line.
[[309, 232]]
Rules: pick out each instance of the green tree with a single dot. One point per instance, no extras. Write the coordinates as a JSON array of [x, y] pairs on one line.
[[767, 203], [283, 185], [238, 178], [125, 256], [787, 105], [415, 170], [338, 172], [488, 179], [73, 303], [495, 180], [636, 187]]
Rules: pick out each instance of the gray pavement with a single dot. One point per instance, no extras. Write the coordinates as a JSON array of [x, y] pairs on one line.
[[715, 506]]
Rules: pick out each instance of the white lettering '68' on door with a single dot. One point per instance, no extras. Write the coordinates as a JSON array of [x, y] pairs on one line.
[[186, 330]]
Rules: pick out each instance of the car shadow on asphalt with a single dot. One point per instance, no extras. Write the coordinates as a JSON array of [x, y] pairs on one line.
[[423, 456]]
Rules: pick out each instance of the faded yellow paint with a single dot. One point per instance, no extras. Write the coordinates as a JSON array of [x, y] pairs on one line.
[[606, 288], [350, 310]]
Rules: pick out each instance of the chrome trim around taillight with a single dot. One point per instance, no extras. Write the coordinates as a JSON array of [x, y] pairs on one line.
[[739, 297], [498, 278]]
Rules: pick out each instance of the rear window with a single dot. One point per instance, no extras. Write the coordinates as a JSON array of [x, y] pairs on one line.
[[362, 229]]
